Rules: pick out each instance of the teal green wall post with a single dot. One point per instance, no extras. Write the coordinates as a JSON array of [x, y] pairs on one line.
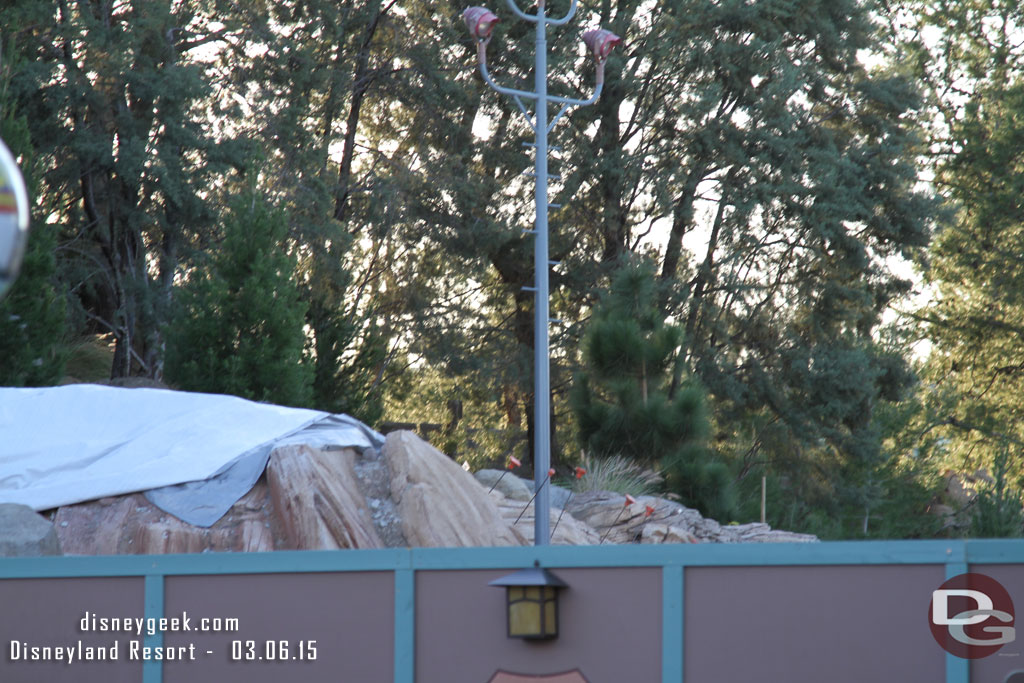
[[957, 669], [405, 626], [153, 670], [672, 623]]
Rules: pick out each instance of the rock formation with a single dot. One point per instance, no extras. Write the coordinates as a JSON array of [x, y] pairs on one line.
[[316, 495], [441, 504], [408, 494]]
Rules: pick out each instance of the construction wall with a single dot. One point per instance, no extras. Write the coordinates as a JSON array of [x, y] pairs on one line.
[[837, 612]]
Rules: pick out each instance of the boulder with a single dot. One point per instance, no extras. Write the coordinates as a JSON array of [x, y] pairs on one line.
[[559, 496], [517, 488], [439, 503], [772, 536], [408, 494], [24, 532], [609, 514], [508, 484], [316, 495], [567, 529]]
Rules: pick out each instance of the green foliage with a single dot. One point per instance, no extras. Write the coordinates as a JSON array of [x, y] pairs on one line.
[[975, 321], [628, 399], [472, 427], [32, 316], [973, 389], [998, 508], [119, 108], [32, 320], [632, 399], [238, 323], [311, 100]]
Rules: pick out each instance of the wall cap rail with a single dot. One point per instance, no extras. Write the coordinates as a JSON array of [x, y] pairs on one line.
[[420, 559]]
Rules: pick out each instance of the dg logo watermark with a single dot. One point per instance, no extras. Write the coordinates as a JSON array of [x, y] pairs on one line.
[[971, 616]]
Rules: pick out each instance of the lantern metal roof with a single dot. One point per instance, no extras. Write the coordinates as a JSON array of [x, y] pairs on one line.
[[532, 576]]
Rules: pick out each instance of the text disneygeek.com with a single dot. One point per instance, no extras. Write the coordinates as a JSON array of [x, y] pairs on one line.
[[135, 649]]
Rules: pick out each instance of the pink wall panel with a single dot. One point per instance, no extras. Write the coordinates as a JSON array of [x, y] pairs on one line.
[[349, 615], [840, 624], [48, 613], [610, 628]]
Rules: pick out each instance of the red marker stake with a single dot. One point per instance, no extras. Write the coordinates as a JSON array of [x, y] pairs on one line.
[[629, 501], [550, 472]]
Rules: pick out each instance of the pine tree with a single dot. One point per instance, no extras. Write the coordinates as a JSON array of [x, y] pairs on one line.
[[33, 314], [971, 62], [633, 398], [238, 323], [319, 95], [118, 101], [750, 130], [976, 321]]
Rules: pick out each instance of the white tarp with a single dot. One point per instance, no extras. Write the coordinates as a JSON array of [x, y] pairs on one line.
[[64, 445]]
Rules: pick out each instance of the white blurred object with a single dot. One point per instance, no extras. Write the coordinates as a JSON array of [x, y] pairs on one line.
[[13, 218]]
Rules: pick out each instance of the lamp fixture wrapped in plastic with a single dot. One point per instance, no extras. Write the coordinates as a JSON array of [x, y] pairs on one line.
[[600, 42], [480, 22]]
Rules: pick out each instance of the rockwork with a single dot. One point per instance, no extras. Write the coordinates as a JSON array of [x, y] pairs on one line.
[[407, 494]]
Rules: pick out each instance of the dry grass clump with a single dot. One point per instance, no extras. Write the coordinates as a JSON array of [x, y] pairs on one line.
[[616, 474]]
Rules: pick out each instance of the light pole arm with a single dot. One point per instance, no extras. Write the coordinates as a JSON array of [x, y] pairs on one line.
[[558, 22], [521, 14], [566, 103], [535, 18], [569, 102], [481, 54]]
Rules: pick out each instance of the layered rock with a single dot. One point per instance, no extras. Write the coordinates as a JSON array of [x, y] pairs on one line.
[[440, 504], [317, 498], [132, 525], [620, 522]]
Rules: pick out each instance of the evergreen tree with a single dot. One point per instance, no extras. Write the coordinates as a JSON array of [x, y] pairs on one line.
[[633, 399], [118, 104], [319, 98], [238, 323], [33, 348], [749, 131], [976, 322], [969, 57], [998, 508], [33, 314]]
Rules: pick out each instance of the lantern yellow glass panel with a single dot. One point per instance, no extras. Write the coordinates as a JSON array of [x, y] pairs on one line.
[[532, 603], [524, 619], [551, 615]]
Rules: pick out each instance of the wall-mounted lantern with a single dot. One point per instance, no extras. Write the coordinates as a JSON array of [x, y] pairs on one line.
[[13, 219], [531, 597]]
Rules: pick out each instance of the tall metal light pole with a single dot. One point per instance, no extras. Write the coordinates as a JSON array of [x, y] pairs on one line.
[[481, 23]]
